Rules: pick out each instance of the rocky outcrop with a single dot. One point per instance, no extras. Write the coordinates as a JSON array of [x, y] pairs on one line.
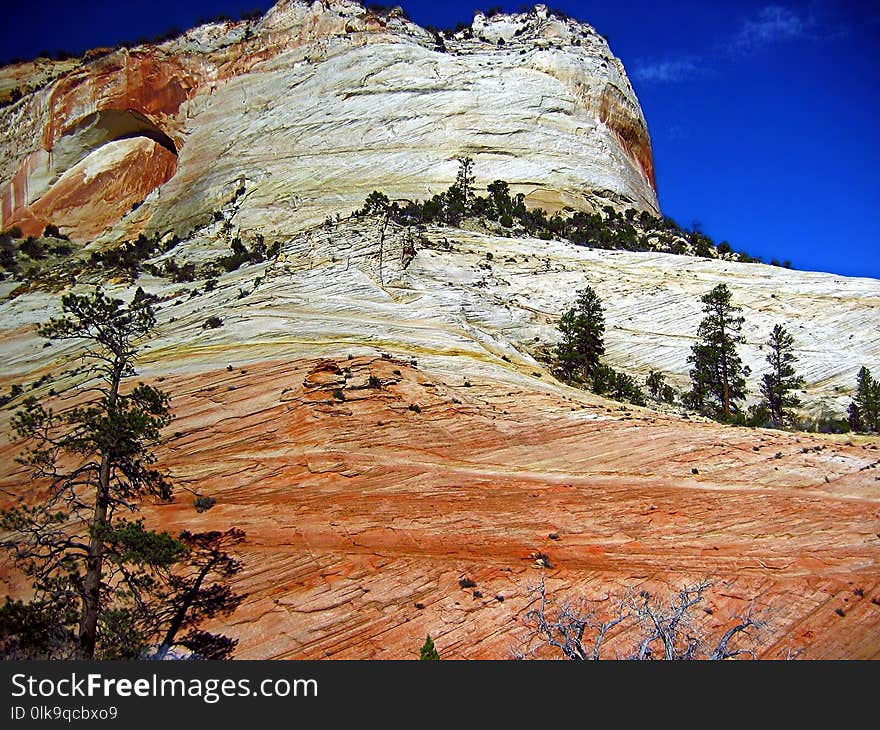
[[371, 414], [370, 486], [373, 409], [103, 186], [317, 105], [468, 298], [69, 123]]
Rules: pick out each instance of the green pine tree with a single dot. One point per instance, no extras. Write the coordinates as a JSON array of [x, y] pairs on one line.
[[95, 572], [659, 389], [464, 180], [583, 332], [428, 650], [778, 384], [718, 375], [864, 411], [502, 204], [459, 197]]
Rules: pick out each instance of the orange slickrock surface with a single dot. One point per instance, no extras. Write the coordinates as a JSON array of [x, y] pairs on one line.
[[363, 514]]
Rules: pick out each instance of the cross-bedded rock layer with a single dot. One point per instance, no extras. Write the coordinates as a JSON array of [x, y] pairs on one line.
[[363, 514], [369, 486], [315, 106]]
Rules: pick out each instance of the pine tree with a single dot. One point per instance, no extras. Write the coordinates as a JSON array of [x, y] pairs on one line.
[[583, 332], [502, 204], [776, 386], [376, 203], [94, 570], [718, 375], [864, 410], [464, 180], [70, 533], [458, 198], [428, 650], [659, 389]]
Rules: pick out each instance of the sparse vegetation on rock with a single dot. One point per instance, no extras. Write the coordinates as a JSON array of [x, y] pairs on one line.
[[653, 628], [617, 385], [242, 254], [51, 231], [127, 257], [429, 652], [203, 504], [657, 386], [630, 230]]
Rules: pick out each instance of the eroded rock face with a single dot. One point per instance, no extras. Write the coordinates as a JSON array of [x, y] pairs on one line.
[[52, 131], [369, 487], [373, 411], [371, 414], [104, 185], [317, 105]]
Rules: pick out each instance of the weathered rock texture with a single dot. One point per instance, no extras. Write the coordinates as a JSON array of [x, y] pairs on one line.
[[369, 485], [315, 106], [365, 501], [362, 515]]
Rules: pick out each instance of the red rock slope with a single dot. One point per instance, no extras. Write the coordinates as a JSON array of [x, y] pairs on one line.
[[363, 514]]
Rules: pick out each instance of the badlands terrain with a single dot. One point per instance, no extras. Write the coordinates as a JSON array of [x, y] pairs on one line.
[[375, 410]]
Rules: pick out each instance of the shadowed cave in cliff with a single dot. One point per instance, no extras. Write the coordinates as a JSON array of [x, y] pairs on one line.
[[99, 169], [107, 125]]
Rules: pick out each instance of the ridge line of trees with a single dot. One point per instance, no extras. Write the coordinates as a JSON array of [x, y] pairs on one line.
[[631, 230], [718, 375]]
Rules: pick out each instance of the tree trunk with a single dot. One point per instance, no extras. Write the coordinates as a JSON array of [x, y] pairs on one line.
[[725, 401], [776, 403], [725, 378], [88, 626]]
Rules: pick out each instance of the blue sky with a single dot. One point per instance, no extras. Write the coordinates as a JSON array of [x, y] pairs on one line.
[[763, 115]]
